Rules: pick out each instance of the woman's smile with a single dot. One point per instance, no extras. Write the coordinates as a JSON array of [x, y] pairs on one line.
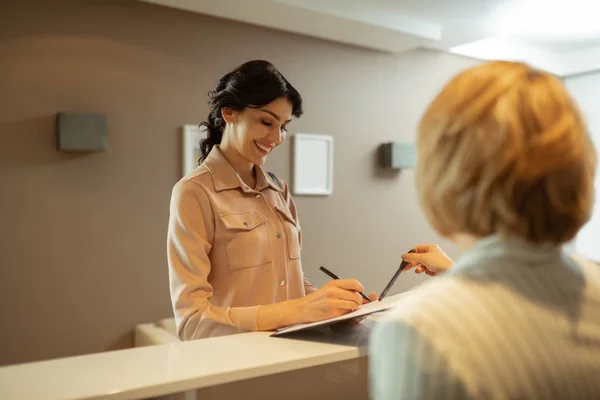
[[263, 148]]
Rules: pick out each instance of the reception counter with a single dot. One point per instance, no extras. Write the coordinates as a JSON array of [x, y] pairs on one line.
[[215, 365]]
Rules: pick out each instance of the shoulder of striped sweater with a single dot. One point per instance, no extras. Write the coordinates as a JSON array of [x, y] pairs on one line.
[[591, 268], [416, 304]]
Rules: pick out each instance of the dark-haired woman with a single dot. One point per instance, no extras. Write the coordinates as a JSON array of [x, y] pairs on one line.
[[234, 239]]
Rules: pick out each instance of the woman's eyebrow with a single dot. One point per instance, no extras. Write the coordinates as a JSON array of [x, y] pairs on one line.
[[271, 113]]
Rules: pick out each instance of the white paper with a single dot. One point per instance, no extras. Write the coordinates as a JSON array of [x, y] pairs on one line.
[[365, 309]]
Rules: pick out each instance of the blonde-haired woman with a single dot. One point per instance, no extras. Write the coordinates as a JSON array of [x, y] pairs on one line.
[[505, 169]]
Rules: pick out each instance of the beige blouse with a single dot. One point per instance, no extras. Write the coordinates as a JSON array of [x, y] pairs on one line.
[[230, 249]]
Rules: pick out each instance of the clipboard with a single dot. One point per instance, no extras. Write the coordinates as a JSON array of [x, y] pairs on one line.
[[363, 310]]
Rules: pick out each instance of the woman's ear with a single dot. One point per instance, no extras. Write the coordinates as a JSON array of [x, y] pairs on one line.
[[229, 115]]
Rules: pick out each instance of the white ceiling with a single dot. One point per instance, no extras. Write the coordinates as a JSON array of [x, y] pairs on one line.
[[560, 36]]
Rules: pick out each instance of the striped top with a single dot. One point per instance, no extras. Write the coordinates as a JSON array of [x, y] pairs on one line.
[[509, 321]]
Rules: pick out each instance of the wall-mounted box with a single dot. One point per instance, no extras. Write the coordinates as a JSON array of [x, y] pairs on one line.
[[81, 132], [398, 155]]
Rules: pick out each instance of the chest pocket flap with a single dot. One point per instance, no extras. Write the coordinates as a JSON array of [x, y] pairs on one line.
[[286, 215], [245, 239], [244, 221]]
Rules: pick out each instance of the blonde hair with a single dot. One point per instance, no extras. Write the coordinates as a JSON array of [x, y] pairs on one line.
[[503, 149]]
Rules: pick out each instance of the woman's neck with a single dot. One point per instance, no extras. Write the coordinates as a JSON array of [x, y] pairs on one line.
[[464, 242], [242, 167]]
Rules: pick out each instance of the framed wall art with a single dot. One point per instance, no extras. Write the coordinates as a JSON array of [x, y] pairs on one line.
[[312, 164], [191, 136]]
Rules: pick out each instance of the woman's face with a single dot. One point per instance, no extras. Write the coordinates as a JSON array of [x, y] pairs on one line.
[[255, 132]]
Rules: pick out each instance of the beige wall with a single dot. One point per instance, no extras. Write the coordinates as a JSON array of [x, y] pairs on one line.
[[82, 238]]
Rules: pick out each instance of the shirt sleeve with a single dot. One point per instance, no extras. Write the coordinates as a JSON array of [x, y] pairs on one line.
[[405, 364], [308, 287], [189, 241]]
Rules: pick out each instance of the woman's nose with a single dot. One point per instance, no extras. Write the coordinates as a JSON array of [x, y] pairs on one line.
[[279, 136]]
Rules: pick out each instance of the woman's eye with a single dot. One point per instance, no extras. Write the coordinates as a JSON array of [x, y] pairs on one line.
[[266, 123], [284, 128]]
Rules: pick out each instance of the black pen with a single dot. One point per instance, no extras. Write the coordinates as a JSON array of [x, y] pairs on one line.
[[403, 265], [334, 276]]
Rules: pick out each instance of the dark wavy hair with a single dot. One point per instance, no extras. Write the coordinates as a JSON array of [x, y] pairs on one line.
[[253, 84]]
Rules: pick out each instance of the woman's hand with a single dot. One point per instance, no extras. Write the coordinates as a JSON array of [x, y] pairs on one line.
[[373, 297], [428, 258], [337, 297]]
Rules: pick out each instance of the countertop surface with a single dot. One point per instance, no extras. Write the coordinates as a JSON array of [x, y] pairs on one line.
[[171, 368]]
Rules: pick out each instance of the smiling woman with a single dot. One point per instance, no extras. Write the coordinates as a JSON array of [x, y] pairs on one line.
[[258, 102], [234, 238]]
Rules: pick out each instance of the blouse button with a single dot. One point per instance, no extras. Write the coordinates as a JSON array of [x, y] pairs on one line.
[[246, 224], [282, 283], [278, 235], [257, 196]]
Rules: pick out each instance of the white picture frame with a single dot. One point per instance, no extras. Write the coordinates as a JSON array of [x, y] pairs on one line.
[[312, 164], [191, 136]]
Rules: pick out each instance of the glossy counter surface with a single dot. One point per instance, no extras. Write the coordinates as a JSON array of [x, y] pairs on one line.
[[157, 370]]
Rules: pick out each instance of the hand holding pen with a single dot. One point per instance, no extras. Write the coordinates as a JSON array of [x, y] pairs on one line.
[[334, 276], [366, 299], [336, 298], [428, 258]]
